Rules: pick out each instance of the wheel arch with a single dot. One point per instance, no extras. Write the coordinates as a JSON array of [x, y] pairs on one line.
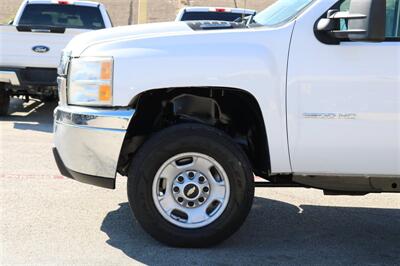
[[235, 111]]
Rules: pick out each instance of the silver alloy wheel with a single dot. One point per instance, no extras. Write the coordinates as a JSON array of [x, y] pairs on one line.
[[191, 190]]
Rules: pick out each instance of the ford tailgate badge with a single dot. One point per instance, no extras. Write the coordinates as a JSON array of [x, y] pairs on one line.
[[40, 49]]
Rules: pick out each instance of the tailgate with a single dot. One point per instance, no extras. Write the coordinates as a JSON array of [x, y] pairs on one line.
[[33, 49]]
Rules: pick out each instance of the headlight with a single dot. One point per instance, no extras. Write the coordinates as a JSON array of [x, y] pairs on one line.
[[90, 81]]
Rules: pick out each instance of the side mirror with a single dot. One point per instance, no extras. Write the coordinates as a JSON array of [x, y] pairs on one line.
[[366, 21]]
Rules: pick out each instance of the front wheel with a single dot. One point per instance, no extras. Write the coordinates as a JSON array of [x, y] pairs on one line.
[[190, 186], [4, 100]]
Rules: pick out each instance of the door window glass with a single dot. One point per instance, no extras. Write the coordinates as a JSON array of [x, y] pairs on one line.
[[392, 18]]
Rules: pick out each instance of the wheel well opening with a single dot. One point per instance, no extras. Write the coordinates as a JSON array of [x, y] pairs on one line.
[[233, 111]]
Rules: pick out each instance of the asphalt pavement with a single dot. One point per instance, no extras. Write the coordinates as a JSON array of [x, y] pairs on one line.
[[46, 219]]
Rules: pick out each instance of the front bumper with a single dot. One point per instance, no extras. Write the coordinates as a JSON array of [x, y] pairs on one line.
[[88, 142]]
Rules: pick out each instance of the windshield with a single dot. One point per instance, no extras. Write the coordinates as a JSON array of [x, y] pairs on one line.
[[281, 12], [66, 16]]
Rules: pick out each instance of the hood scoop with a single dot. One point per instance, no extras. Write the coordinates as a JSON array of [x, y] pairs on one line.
[[214, 25]]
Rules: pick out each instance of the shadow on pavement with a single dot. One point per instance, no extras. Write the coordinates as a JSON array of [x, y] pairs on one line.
[[276, 233], [35, 115]]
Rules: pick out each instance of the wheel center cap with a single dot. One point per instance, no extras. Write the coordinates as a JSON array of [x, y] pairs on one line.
[[191, 191]]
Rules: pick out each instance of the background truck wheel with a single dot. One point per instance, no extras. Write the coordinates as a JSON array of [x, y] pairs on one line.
[[4, 100], [190, 186]]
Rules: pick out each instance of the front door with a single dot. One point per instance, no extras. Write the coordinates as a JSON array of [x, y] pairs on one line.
[[344, 101]]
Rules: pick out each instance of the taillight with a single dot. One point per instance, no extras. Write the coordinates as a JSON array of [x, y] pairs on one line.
[[61, 2]]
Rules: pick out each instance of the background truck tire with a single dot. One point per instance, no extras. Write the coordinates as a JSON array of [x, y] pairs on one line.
[[233, 167], [4, 100]]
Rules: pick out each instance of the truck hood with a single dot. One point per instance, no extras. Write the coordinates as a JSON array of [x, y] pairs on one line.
[[83, 41], [80, 43]]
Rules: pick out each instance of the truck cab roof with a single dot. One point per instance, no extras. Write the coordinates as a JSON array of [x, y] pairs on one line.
[[63, 2], [218, 9], [57, 6]]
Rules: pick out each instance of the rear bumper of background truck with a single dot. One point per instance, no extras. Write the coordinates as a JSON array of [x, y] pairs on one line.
[[88, 142], [29, 77], [9, 76]]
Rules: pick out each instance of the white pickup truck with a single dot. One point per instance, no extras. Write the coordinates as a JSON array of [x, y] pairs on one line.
[[306, 93], [31, 46]]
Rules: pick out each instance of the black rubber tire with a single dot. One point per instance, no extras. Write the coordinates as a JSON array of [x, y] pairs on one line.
[[4, 101], [190, 138]]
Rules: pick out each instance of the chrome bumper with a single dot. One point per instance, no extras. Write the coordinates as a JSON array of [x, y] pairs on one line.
[[88, 141], [9, 77]]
